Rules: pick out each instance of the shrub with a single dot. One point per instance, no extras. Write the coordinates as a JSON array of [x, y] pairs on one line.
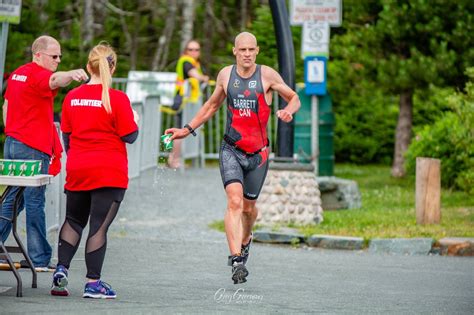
[[450, 139]]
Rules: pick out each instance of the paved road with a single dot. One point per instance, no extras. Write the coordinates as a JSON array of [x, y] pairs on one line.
[[162, 258]]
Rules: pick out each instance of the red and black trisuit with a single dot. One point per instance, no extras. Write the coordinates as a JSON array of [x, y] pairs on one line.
[[244, 151]]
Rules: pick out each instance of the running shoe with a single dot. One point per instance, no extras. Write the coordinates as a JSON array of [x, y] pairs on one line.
[[245, 249], [239, 271], [60, 282], [99, 290]]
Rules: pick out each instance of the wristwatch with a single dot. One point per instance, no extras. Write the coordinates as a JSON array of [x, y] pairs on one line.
[[191, 130]]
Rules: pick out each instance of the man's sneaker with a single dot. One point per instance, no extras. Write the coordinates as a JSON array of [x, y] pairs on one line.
[[99, 290], [239, 271], [49, 268], [60, 282], [245, 249]]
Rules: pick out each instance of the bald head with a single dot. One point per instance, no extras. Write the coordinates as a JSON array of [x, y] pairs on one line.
[[42, 43], [245, 51], [46, 52], [245, 37]]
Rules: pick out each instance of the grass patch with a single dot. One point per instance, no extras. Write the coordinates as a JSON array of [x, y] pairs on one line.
[[388, 209], [217, 225]]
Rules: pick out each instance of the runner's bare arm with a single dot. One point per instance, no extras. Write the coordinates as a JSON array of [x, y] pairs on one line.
[[208, 109], [277, 84]]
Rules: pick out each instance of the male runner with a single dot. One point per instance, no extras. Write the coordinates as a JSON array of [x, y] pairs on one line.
[[243, 159]]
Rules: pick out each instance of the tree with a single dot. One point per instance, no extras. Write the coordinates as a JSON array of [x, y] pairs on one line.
[[187, 24], [161, 53], [406, 45]]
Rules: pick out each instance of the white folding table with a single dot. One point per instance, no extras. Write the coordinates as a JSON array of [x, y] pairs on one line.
[[22, 182]]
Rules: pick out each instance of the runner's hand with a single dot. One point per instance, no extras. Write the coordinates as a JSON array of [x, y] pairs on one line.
[[177, 133], [284, 115]]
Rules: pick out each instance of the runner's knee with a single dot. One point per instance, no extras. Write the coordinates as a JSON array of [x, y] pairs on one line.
[[250, 208], [235, 203]]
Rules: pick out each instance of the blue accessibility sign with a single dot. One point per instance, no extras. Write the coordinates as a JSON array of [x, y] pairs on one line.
[[315, 75]]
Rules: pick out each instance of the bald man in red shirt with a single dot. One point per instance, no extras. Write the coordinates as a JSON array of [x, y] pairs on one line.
[[30, 135]]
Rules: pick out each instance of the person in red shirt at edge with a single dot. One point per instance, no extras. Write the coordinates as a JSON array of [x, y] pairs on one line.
[[243, 157], [31, 135], [96, 123]]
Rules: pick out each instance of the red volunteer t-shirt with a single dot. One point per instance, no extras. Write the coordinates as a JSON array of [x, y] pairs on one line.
[[30, 107], [97, 157]]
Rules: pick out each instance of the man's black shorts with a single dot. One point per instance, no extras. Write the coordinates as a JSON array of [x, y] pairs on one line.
[[248, 169]]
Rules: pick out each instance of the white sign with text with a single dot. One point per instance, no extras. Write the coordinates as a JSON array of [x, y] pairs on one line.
[[329, 11], [10, 11]]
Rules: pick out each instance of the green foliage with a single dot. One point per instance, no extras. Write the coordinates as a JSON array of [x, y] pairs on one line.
[[365, 117], [450, 139], [383, 48], [429, 105]]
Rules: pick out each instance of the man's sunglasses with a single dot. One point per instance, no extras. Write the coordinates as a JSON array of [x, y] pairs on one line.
[[53, 56]]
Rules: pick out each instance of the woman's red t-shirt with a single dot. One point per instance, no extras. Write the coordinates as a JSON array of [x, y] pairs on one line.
[[97, 157]]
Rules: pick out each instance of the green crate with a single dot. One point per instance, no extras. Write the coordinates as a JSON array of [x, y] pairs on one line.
[[20, 167]]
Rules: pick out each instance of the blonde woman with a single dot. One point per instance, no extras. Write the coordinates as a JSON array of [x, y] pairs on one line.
[[96, 123]]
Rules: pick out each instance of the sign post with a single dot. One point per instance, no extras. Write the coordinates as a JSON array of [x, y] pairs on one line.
[[10, 12], [316, 17], [315, 84]]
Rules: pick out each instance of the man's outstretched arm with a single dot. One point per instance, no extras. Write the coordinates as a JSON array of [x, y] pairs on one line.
[[63, 78]]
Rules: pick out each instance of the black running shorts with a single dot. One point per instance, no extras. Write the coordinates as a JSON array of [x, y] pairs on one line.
[[238, 167]]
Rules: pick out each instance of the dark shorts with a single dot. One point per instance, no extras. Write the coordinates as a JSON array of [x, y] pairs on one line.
[[238, 167]]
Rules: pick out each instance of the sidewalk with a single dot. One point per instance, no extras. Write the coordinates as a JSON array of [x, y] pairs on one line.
[[162, 258]]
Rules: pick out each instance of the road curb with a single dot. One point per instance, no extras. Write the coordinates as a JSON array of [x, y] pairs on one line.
[[336, 242], [401, 246], [448, 246], [455, 246], [273, 237]]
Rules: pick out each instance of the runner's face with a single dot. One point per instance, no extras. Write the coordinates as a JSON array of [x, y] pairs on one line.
[[50, 57], [245, 52]]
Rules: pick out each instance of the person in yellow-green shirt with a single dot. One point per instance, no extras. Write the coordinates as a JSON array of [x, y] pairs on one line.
[[188, 68]]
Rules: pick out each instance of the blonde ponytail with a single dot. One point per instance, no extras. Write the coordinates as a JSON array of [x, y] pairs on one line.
[[106, 79], [102, 61]]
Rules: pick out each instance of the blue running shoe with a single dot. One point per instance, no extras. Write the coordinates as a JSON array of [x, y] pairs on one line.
[[60, 282], [99, 290]]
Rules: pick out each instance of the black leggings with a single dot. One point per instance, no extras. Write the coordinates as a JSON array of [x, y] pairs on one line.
[[101, 205]]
